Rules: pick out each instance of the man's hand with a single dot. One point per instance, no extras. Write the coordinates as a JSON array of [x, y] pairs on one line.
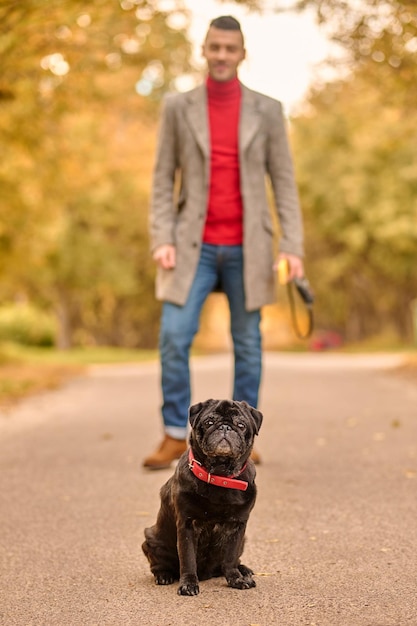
[[165, 256], [295, 265]]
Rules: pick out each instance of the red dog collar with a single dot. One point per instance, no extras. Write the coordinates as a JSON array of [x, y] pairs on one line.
[[220, 481]]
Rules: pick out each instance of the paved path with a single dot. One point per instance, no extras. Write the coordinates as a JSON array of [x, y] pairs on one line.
[[332, 538]]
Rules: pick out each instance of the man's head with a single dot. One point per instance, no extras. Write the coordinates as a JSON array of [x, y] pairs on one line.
[[223, 48]]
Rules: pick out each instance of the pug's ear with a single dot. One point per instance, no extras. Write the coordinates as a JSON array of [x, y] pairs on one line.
[[195, 410], [256, 415]]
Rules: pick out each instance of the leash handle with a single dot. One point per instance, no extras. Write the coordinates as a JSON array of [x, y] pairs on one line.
[[308, 300], [306, 294]]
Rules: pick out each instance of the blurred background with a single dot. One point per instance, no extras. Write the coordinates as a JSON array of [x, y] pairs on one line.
[[80, 91]]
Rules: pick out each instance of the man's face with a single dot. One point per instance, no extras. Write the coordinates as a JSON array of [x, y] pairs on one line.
[[223, 51]]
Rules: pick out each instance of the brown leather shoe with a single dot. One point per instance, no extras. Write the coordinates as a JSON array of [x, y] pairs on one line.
[[169, 450], [254, 455]]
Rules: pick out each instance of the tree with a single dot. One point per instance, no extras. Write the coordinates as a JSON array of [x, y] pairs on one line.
[[78, 92], [360, 189], [358, 182]]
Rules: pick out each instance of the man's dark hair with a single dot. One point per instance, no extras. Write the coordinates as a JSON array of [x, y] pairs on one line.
[[226, 22]]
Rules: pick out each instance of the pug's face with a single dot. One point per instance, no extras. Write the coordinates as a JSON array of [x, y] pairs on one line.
[[224, 428]]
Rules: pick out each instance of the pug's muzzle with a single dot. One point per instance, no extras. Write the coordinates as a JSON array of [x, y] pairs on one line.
[[225, 440]]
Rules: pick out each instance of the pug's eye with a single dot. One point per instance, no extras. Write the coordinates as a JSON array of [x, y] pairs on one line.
[[209, 422], [241, 426]]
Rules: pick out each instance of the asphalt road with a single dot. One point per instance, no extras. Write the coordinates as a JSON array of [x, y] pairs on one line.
[[332, 538]]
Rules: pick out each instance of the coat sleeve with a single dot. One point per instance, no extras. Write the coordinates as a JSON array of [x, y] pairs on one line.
[[162, 210], [281, 173]]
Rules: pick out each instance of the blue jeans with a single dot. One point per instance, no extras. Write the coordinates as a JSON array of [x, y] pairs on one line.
[[179, 324]]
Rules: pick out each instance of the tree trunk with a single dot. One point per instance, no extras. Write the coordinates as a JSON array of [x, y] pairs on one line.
[[62, 309]]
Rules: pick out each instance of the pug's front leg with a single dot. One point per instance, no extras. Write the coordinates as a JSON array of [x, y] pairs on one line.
[[187, 546], [237, 575]]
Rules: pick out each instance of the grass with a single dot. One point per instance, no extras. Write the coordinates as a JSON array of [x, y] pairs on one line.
[[75, 356], [25, 371], [21, 380]]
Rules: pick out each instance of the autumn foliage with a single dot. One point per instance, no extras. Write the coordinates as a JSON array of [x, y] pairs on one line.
[[80, 87]]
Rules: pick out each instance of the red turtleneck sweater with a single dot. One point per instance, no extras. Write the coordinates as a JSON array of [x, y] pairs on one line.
[[224, 221]]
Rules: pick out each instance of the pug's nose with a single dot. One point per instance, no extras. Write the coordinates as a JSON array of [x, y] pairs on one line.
[[225, 427]]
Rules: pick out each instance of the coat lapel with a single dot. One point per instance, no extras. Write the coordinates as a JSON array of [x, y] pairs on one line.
[[250, 118], [197, 116]]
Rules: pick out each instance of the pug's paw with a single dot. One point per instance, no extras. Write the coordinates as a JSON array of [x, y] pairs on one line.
[[188, 586]]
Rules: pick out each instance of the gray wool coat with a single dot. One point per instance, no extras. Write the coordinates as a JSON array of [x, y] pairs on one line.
[[181, 184]]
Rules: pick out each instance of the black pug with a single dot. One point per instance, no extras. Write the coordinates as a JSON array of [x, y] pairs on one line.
[[200, 528]]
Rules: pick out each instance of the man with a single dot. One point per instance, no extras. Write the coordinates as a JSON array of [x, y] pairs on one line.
[[217, 144]]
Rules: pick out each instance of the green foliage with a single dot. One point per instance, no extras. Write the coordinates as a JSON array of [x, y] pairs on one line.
[[357, 176], [24, 324]]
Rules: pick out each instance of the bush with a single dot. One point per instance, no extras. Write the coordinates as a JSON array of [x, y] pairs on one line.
[[27, 325]]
